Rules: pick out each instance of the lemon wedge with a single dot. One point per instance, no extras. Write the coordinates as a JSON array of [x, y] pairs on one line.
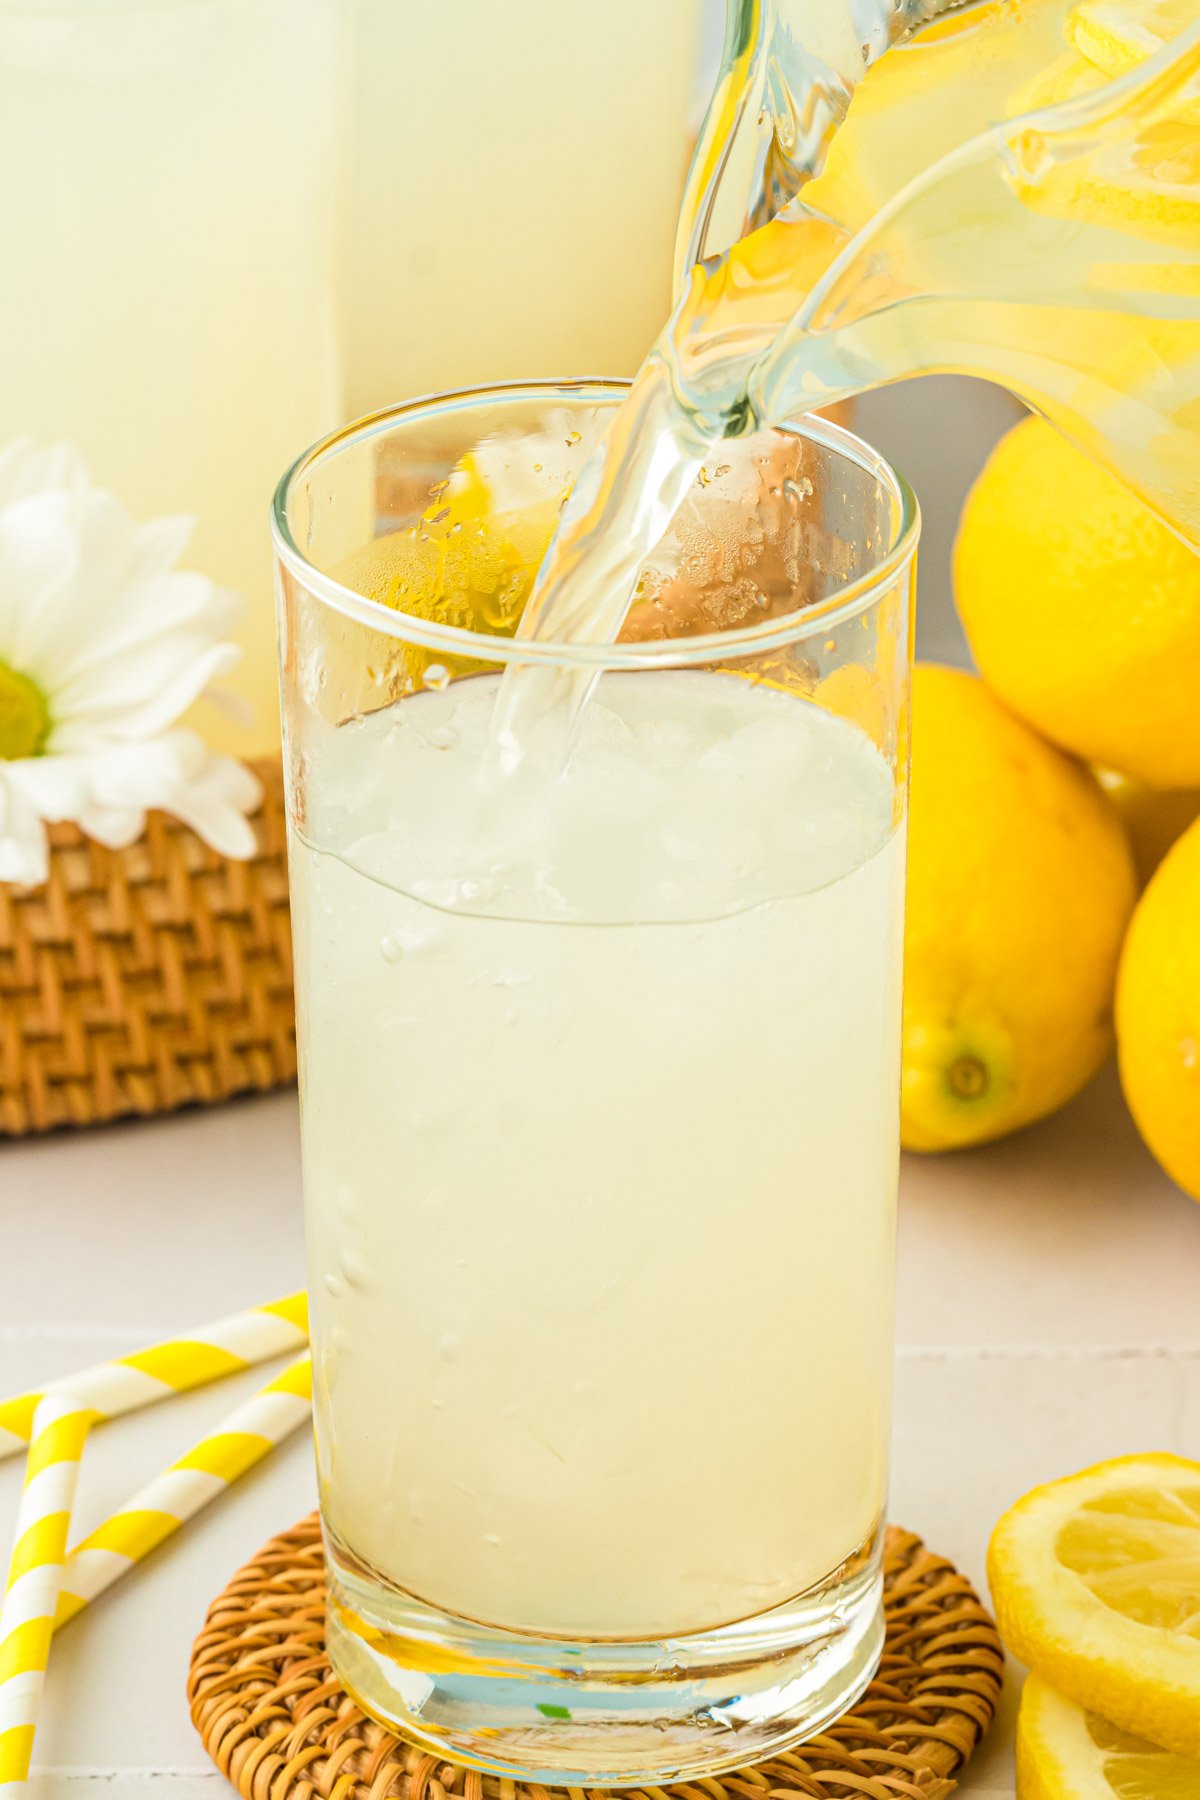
[[1065, 1753], [1096, 1583], [470, 559]]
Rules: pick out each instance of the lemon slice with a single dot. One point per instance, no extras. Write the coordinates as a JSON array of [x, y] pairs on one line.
[[1065, 1753], [1118, 35], [1151, 188], [1067, 78], [1096, 1582]]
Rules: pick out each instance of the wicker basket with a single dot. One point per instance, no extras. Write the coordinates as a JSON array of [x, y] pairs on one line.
[[140, 980]]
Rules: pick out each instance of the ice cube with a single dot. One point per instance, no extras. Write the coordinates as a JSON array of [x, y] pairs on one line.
[[602, 729], [772, 746], [670, 743]]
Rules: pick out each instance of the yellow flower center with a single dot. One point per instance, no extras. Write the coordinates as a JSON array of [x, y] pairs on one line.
[[24, 716]]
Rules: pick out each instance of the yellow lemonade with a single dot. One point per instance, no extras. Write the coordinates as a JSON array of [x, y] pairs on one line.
[[534, 1206]]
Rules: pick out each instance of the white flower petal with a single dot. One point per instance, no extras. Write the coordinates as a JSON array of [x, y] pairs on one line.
[[144, 610], [24, 861], [160, 544], [108, 545], [48, 631], [223, 828], [141, 695], [173, 619], [177, 774], [114, 826], [73, 615], [26, 469], [55, 786], [144, 774], [39, 561], [215, 802], [24, 852], [230, 782], [117, 594]]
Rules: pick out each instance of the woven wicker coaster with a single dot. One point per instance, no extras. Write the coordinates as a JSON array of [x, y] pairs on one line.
[[277, 1724]]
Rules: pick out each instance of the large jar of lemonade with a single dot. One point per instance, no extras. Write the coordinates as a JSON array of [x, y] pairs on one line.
[[167, 303], [513, 181]]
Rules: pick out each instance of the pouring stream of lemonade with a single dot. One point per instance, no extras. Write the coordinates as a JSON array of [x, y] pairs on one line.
[[1011, 190]]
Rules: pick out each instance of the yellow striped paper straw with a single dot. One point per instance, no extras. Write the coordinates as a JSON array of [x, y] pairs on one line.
[[59, 1429], [206, 1470], [221, 1348]]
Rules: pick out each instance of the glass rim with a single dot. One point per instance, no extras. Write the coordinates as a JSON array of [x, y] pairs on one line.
[[844, 603]]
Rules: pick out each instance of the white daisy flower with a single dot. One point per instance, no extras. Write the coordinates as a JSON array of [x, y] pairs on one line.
[[104, 643]]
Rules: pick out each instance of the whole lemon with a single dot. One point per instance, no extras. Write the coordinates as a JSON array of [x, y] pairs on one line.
[[1020, 886], [1158, 1013], [1082, 609]]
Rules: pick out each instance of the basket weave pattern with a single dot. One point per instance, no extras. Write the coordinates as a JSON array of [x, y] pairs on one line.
[[279, 1726], [140, 980]]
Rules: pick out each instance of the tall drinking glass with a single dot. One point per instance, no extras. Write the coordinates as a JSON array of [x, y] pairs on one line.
[[599, 1084]]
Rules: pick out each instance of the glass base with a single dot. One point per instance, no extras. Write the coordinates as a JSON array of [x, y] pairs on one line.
[[605, 1714]]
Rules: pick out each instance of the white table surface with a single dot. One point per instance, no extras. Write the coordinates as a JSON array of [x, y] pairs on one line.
[[1048, 1317]]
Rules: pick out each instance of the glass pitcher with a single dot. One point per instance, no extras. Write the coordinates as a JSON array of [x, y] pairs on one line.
[[998, 190]]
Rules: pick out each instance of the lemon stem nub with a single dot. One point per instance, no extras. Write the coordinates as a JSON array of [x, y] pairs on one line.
[[968, 1078]]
